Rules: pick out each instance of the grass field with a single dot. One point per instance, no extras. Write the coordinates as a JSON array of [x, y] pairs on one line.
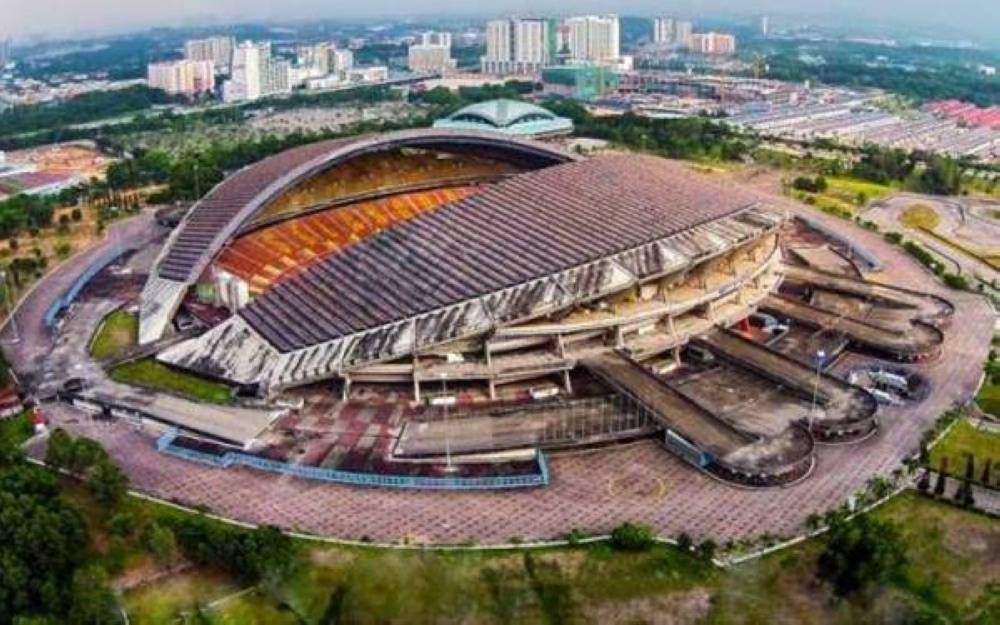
[[149, 373], [850, 190], [950, 553], [116, 335], [964, 439]]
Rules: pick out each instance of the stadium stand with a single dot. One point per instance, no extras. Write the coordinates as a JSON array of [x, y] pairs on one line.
[[264, 256]]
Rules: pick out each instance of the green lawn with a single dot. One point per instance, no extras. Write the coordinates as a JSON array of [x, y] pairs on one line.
[[848, 189], [988, 398], [115, 336], [964, 439], [152, 374], [950, 567]]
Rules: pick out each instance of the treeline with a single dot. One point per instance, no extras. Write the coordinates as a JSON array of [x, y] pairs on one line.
[[51, 568], [689, 138], [920, 172], [84, 108], [189, 176], [106, 136], [33, 212], [940, 83], [448, 101]]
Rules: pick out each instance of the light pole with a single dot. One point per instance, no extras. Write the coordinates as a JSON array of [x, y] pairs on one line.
[[10, 312], [820, 355], [447, 426]]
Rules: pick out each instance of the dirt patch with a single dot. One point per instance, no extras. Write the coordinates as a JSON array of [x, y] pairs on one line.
[[673, 609]]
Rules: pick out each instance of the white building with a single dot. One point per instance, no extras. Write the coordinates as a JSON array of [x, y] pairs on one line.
[[593, 38], [256, 74], [713, 43], [431, 54], [370, 74], [663, 30], [218, 50], [341, 61], [182, 77], [516, 47], [682, 33]]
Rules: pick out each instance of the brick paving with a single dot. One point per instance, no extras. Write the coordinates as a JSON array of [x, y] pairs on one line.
[[594, 491]]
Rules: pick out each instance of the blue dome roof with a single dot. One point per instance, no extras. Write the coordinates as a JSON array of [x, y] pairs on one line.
[[508, 116]]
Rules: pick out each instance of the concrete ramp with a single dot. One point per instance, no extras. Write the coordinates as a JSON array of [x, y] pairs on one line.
[[928, 308], [844, 411], [674, 411], [915, 342], [700, 437]]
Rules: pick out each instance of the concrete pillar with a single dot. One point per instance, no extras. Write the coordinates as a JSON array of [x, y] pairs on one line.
[[566, 383], [346, 393], [619, 338], [493, 389], [677, 355]]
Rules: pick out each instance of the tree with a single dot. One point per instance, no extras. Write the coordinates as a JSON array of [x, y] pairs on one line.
[[59, 452], [987, 466], [859, 553], [163, 544], [107, 483], [706, 550], [632, 537], [93, 600], [42, 541]]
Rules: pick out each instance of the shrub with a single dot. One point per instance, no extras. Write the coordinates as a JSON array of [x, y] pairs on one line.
[[632, 537], [684, 542]]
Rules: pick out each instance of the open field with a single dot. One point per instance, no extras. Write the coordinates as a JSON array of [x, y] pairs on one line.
[[151, 374], [115, 336], [850, 190], [949, 575]]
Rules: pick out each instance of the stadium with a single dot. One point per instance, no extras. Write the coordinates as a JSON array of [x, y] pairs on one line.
[[548, 301]]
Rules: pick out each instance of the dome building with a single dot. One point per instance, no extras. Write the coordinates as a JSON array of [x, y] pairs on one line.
[[511, 117]]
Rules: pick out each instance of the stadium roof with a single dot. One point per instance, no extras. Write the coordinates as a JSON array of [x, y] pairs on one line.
[[218, 217], [507, 116], [529, 226]]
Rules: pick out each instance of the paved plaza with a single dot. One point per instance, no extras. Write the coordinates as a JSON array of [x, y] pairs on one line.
[[594, 490]]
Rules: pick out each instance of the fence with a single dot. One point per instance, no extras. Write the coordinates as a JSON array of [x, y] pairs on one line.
[[64, 301], [165, 444]]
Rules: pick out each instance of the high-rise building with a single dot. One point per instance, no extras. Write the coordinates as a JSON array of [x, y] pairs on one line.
[[682, 33], [341, 61], [593, 38], [517, 46], [218, 50], [316, 57], [663, 30], [713, 43], [431, 54], [256, 74], [431, 38], [765, 26], [182, 77], [5, 54]]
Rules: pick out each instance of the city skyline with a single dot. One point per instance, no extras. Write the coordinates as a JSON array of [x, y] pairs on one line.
[[62, 18]]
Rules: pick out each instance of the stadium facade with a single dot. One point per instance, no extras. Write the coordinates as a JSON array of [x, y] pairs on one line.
[[513, 261]]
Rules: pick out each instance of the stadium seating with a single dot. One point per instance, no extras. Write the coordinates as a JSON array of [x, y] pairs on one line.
[[264, 256], [383, 171]]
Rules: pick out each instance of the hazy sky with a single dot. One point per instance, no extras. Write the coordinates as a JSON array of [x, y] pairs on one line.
[[21, 18]]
